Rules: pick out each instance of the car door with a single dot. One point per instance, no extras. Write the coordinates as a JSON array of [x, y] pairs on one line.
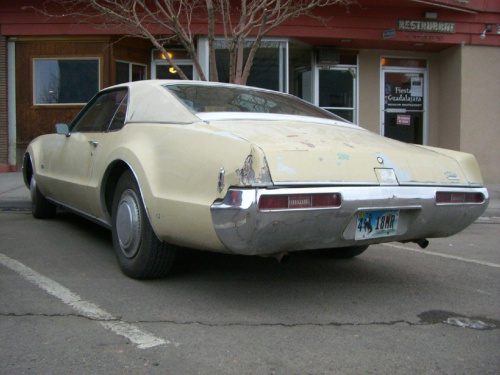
[[71, 164]]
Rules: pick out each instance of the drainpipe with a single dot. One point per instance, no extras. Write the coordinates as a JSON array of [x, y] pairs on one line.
[[11, 95]]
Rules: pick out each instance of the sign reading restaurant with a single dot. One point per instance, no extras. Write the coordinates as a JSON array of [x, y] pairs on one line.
[[427, 26]]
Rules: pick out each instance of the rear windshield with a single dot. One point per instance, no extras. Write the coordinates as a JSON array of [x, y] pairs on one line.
[[206, 98]]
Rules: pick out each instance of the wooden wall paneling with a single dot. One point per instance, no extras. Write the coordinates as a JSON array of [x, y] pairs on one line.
[[33, 121]]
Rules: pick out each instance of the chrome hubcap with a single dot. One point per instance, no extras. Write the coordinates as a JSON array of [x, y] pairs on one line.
[[128, 223]]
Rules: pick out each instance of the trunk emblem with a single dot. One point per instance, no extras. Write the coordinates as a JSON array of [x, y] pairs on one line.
[[380, 160]]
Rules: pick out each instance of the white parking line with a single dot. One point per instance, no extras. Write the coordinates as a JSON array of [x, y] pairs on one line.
[[142, 339], [489, 264]]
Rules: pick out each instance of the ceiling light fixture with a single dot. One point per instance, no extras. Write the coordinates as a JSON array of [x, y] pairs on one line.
[[430, 15], [487, 29]]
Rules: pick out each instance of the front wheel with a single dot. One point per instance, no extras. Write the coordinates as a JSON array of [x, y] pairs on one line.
[[140, 253], [41, 208]]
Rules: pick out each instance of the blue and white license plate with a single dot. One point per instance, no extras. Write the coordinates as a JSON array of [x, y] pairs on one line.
[[375, 224]]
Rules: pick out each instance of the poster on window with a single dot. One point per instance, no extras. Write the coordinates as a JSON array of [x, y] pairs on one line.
[[403, 120], [404, 92], [416, 86]]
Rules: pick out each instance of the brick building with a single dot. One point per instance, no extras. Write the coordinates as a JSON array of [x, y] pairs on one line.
[[419, 71]]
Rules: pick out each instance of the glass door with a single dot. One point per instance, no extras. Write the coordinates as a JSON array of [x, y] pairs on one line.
[[403, 109], [337, 91]]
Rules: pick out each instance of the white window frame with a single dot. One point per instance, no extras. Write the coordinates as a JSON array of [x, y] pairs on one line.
[[155, 62], [317, 68], [130, 63]]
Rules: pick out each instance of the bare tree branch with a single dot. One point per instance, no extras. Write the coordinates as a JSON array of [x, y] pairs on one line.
[[162, 21]]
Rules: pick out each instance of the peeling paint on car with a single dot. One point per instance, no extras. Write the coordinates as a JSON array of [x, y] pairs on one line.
[[342, 156], [402, 175], [284, 168], [246, 173]]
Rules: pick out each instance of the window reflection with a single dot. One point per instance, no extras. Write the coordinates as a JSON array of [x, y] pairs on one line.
[[65, 81], [268, 66]]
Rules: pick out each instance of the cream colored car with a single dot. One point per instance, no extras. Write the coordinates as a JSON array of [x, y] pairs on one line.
[[169, 164]]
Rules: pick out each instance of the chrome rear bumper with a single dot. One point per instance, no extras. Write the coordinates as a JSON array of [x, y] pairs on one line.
[[244, 229]]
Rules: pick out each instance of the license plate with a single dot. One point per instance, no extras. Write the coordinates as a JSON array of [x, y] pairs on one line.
[[375, 224]]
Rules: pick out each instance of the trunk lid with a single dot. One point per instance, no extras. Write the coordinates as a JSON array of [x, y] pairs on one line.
[[329, 152]]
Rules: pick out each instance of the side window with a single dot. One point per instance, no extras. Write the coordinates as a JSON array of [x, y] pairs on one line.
[[121, 112], [107, 111]]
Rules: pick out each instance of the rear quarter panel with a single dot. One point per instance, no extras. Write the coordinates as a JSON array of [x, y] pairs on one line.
[[177, 168]]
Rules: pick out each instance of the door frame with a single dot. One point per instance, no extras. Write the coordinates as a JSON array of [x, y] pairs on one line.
[[391, 69], [354, 71]]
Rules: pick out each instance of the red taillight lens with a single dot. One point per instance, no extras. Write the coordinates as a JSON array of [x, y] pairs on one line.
[[458, 198], [284, 202], [273, 202], [236, 198], [326, 200]]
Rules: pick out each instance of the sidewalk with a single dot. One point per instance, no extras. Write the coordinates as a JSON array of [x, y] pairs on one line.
[[15, 195], [13, 192]]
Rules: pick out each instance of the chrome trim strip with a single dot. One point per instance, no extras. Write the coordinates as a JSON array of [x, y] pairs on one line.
[[322, 183], [94, 219], [340, 183], [256, 116]]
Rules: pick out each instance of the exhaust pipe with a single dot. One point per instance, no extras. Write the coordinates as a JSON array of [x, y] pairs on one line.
[[423, 242]]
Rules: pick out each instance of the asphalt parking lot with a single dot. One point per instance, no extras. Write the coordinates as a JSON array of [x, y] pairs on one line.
[[65, 308]]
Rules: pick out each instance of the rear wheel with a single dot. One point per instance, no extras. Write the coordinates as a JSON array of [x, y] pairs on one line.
[[344, 252], [140, 253], [41, 208]]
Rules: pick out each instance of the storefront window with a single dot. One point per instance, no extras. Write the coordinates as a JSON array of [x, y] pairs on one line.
[[162, 68], [168, 72], [129, 72], [300, 71], [65, 81], [337, 91], [268, 69]]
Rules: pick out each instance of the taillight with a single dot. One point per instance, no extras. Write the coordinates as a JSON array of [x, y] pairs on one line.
[[302, 201], [458, 197]]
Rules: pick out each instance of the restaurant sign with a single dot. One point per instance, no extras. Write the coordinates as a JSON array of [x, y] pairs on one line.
[[427, 26]]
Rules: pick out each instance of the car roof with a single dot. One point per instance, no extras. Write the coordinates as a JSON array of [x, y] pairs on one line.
[[150, 102]]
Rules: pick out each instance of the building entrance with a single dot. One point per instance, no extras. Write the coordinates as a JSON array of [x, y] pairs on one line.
[[404, 103]]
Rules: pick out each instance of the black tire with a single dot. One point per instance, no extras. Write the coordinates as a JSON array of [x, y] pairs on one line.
[[140, 254], [344, 252], [41, 208]]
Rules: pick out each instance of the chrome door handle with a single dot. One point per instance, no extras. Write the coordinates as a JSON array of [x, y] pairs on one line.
[[94, 143]]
